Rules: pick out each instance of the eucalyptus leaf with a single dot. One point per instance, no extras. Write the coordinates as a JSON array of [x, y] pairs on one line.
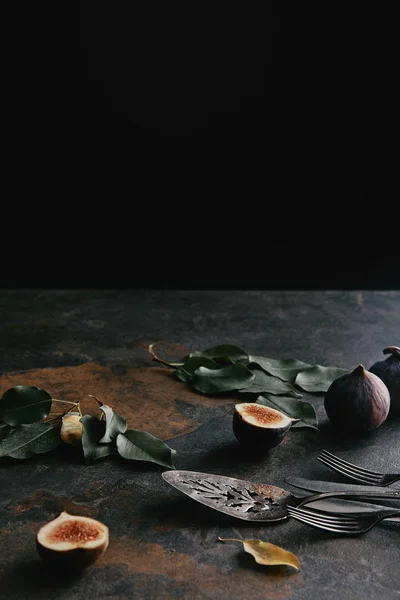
[[4, 430], [269, 384], [286, 368], [29, 439], [296, 409], [318, 378], [224, 354], [140, 445], [183, 375], [226, 379], [93, 432], [194, 362], [115, 424], [24, 404], [185, 372]]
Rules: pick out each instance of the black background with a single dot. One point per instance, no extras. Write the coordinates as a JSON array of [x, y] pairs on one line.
[[200, 146]]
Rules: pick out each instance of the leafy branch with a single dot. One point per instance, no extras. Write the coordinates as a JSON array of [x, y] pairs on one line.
[[278, 383], [28, 426]]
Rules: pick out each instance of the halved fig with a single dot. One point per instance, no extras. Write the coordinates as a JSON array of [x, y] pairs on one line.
[[71, 542], [260, 427]]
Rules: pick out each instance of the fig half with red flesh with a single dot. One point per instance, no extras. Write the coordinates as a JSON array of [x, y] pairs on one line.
[[72, 542], [260, 427]]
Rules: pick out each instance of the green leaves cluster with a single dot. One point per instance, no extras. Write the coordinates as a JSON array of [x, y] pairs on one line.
[[278, 383], [28, 427], [109, 435], [23, 431]]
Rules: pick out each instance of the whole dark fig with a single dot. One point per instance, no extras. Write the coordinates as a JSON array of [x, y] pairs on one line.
[[389, 371], [357, 402]]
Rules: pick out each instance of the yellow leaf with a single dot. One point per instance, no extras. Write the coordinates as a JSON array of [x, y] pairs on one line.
[[267, 554]]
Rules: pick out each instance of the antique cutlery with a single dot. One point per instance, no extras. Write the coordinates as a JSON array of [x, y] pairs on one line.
[[356, 472], [344, 523], [253, 501]]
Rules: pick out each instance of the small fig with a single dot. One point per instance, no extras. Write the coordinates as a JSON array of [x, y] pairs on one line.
[[260, 427], [72, 429], [357, 402], [389, 371], [71, 542]]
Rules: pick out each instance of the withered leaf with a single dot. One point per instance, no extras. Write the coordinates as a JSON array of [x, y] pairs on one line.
[[266, 553]]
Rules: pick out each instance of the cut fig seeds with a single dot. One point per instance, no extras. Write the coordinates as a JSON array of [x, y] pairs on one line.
[[72, 542], [260, 427]]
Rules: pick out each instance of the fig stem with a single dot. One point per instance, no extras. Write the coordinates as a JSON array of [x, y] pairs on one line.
[[160, 360], [395, 350]]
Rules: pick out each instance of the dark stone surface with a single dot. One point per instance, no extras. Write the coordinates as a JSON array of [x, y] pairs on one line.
[[163, 544]]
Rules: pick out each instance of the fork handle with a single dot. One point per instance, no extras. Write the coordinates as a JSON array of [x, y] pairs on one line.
[[389, 494], [390, 512]]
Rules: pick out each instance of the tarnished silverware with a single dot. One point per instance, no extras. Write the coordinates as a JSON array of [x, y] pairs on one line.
[[342, 523], [355, 472], [254, 501]]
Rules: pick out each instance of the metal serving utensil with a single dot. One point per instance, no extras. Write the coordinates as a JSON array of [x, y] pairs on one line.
[[254, 501]]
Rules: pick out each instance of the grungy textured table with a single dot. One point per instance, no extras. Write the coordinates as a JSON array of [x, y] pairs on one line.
[[163, 545]]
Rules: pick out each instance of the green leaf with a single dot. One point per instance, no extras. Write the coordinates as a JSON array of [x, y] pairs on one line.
[[93, 431], [286, 369], [115, 424], [225, 379], [30, 439], [140, 445], [185, 372], [224, 354], [318, 378], [192, 363], [296, 409], [4, 430], [264, 383], [182, 375], [24, 404]]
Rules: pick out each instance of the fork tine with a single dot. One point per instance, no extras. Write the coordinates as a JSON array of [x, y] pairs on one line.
[[349, 472], [341, 522], [322, 524], [323, 517], [355, 472], [360, 470]]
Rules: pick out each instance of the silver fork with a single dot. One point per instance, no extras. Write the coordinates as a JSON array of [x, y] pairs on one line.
[[355, 472], [346, 524]]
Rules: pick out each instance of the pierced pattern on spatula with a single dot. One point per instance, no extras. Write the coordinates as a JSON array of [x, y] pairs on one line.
[[240, 497]]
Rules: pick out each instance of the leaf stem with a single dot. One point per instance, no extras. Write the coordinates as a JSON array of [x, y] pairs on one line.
[[95, 398], [65, 402], [229, 540], [160, 360], [48, 419]]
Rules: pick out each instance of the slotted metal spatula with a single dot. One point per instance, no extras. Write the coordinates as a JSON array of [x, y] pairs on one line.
[[254, 501]]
